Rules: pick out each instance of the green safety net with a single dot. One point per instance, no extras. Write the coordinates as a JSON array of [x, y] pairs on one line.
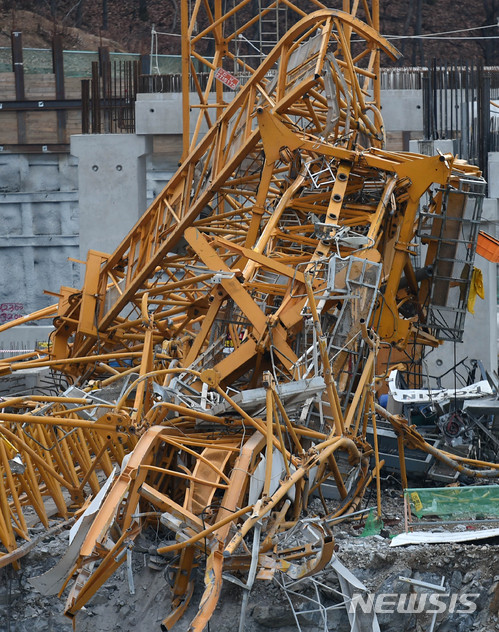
[[373, 525], [78, 63], [460, 502]]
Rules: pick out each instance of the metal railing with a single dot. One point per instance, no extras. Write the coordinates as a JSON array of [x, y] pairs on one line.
[[458, 105]]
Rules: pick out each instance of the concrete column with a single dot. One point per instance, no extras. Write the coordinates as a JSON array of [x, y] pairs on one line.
[[112, 187], [480, 333]]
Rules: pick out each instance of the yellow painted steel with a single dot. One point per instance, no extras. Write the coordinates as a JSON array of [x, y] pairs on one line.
[[214, 294]]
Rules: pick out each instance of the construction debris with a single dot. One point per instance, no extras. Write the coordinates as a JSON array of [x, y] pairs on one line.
[[229, 354], [423, 537]]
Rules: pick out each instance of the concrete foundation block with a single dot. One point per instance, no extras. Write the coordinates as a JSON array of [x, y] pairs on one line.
[[402, 110], [432, 147], [112, 187]]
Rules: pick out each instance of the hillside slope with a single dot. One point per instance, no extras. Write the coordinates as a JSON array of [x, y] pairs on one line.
[[126, 25]]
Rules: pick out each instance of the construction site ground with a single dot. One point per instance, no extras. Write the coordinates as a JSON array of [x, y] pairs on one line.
[[471, 568]]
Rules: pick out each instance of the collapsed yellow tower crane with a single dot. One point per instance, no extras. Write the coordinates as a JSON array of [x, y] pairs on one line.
[[240, 40], [229, 345]]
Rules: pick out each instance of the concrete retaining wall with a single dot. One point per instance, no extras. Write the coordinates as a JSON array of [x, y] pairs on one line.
[[39, 215], [39, 219], [24, 338]]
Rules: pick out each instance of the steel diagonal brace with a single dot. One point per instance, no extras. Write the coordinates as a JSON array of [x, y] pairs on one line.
[[81, 593], [240, 296], [262, 260], [264, 505]]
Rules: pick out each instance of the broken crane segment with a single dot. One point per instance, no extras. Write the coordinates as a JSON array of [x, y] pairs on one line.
[[226, 353]]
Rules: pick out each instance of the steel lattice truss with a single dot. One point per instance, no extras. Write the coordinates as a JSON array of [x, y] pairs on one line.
[[230, 342]]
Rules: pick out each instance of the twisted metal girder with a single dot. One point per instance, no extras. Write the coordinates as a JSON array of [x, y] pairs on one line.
[[257, 267], [238, 36], [228, 186]]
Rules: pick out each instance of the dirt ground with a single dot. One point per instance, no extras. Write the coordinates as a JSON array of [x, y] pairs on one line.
[[465, 568]]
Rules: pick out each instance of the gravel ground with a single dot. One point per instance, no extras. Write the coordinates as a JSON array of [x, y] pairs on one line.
[[466, 568]]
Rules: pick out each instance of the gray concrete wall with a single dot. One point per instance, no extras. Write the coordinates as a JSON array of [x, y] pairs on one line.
[[402, 110], [432, 147], [24, 338], [39, 215], [162, 113], [39, 219]]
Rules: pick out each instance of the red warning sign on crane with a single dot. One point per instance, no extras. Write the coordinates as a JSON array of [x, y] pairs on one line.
[[227, 78]]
